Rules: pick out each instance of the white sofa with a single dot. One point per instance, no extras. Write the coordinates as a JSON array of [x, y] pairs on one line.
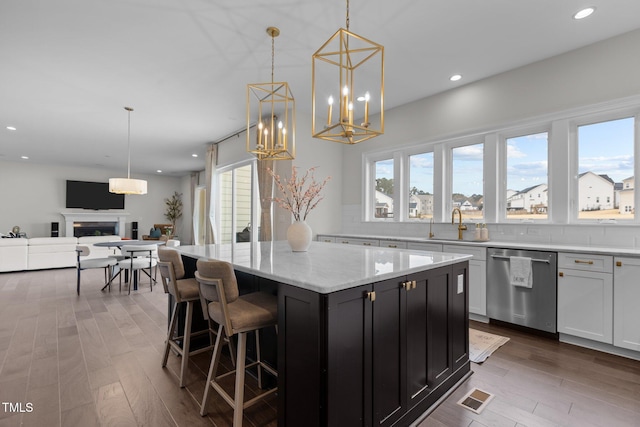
[[48, 252]]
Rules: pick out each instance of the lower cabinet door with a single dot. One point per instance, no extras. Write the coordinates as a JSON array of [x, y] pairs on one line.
[[438, 314], [585, 304], [349, 358], [388, 351], [626, 315], [417, 339]]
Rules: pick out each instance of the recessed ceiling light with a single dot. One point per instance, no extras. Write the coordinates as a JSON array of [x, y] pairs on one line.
[[455, 77], [11, 128], [194, 155], [581, 14], [159, 171], [24, 157]]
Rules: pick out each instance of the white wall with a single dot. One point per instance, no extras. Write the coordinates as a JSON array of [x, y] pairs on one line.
[[596, 74], [33, 195]]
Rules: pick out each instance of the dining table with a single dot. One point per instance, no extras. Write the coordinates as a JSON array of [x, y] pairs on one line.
[[126, 242]]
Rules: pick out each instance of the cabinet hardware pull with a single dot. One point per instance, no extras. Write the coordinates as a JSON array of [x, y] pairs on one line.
[[371, 296], [367, 244], [618, 263], [561, 274], [345, 241], [393, 246], [578, 261], [413, 284], [405, 286]]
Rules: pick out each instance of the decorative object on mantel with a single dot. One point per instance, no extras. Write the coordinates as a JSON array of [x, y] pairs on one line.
[[300, 195], [128, 185], [352, 54], [174, 210], [276, 116]]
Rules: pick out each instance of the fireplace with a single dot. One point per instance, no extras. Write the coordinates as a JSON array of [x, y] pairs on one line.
[[95, 228], [101, 223]]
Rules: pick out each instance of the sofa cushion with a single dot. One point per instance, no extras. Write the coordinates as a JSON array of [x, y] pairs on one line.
[[13, 254]]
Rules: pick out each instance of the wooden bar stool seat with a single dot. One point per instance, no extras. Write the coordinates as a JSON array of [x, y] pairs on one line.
[[236, 315], [183, 291]]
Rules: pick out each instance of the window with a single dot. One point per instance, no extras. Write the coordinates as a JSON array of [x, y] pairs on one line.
[[527, 176], [467, 180], [606, 170], [383, 170], [420, 203], [235, 204]]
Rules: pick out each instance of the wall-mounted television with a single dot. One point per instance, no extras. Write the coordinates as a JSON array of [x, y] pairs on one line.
[[92, 195]]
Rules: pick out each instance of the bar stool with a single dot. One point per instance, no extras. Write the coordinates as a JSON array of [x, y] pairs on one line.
[[236, 315], [182, 290]]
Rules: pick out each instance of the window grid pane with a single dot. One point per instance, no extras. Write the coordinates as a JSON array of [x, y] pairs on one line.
[[383, 189], [527, 177], [467, 181], [606, 170], [420, 186]]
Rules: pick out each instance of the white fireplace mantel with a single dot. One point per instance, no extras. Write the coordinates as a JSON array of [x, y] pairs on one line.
[[94, 216]]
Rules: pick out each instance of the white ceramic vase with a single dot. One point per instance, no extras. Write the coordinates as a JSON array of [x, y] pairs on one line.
[[299, 236]]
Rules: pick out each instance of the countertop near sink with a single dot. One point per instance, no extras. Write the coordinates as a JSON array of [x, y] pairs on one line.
[[503, 244]]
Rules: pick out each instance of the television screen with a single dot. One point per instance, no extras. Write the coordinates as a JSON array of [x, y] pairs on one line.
[[92, 195]]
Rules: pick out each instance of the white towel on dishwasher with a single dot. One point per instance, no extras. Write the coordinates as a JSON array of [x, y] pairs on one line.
[[520, 273]]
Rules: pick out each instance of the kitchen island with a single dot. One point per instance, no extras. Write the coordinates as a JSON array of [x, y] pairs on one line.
[[366, 335]]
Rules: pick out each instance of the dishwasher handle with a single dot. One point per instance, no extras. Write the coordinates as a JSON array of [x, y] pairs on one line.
[[532, 259]]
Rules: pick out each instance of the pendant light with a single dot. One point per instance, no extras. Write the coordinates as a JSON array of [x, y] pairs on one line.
[[341, 106], [272, 108], [128, 185]]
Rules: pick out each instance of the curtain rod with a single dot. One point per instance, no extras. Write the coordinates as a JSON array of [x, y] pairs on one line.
[[232, 134]]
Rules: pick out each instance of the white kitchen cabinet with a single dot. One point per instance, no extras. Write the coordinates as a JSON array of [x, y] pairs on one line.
[[431, 247], [585, 296], [357, 241], [396, 244], [626, 298], [477, 275]]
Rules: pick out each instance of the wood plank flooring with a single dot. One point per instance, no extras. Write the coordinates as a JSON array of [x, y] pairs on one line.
[[94, 360]]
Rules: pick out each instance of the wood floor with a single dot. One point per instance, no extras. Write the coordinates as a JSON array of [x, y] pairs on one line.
[[94, 360]]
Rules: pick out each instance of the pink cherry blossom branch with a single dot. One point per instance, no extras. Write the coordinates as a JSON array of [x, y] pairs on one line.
[[300, 195]]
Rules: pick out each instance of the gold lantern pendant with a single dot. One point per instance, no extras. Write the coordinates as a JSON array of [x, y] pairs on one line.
[[276, 116], [359, 90]]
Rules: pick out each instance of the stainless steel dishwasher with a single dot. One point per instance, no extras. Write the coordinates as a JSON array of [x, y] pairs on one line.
[[533, 307]]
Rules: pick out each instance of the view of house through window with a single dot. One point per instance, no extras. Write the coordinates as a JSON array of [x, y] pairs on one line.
[[420, 186], [467, 181], [527, 177], [605, 170], [235, 204], [384, 188]]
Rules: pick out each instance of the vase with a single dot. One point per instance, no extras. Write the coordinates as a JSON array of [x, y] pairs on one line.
[[299, 236]]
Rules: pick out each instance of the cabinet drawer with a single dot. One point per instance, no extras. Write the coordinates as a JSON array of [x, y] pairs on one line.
[[479, 253], [393, 244], [585, 262], [356, 241], [431, 247], [326, 239]]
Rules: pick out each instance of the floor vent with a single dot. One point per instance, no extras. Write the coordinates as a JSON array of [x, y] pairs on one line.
[[476, 400]]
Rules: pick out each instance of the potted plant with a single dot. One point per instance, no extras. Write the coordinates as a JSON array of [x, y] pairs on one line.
[[174, 210]]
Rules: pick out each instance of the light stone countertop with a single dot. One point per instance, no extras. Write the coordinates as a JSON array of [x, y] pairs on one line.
[[554, 247], [325, 267]]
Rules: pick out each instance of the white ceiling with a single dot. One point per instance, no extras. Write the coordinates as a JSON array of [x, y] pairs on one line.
[[69, 67]]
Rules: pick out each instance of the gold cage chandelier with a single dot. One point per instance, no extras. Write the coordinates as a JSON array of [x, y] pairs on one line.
[[128, 185], [275, 110], [341, 107]]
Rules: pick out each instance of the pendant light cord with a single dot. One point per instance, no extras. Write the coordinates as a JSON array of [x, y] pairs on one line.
[[129, 110], [273, 54], [347, 15]]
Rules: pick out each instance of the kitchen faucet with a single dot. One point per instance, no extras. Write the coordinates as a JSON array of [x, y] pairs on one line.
[[461, 226], [431, 235]]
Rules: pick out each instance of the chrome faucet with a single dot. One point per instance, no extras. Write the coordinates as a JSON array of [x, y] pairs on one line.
[[461, 226], [431, 235]]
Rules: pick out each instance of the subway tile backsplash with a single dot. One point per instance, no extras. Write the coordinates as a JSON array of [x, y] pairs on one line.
[[598, 235]]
